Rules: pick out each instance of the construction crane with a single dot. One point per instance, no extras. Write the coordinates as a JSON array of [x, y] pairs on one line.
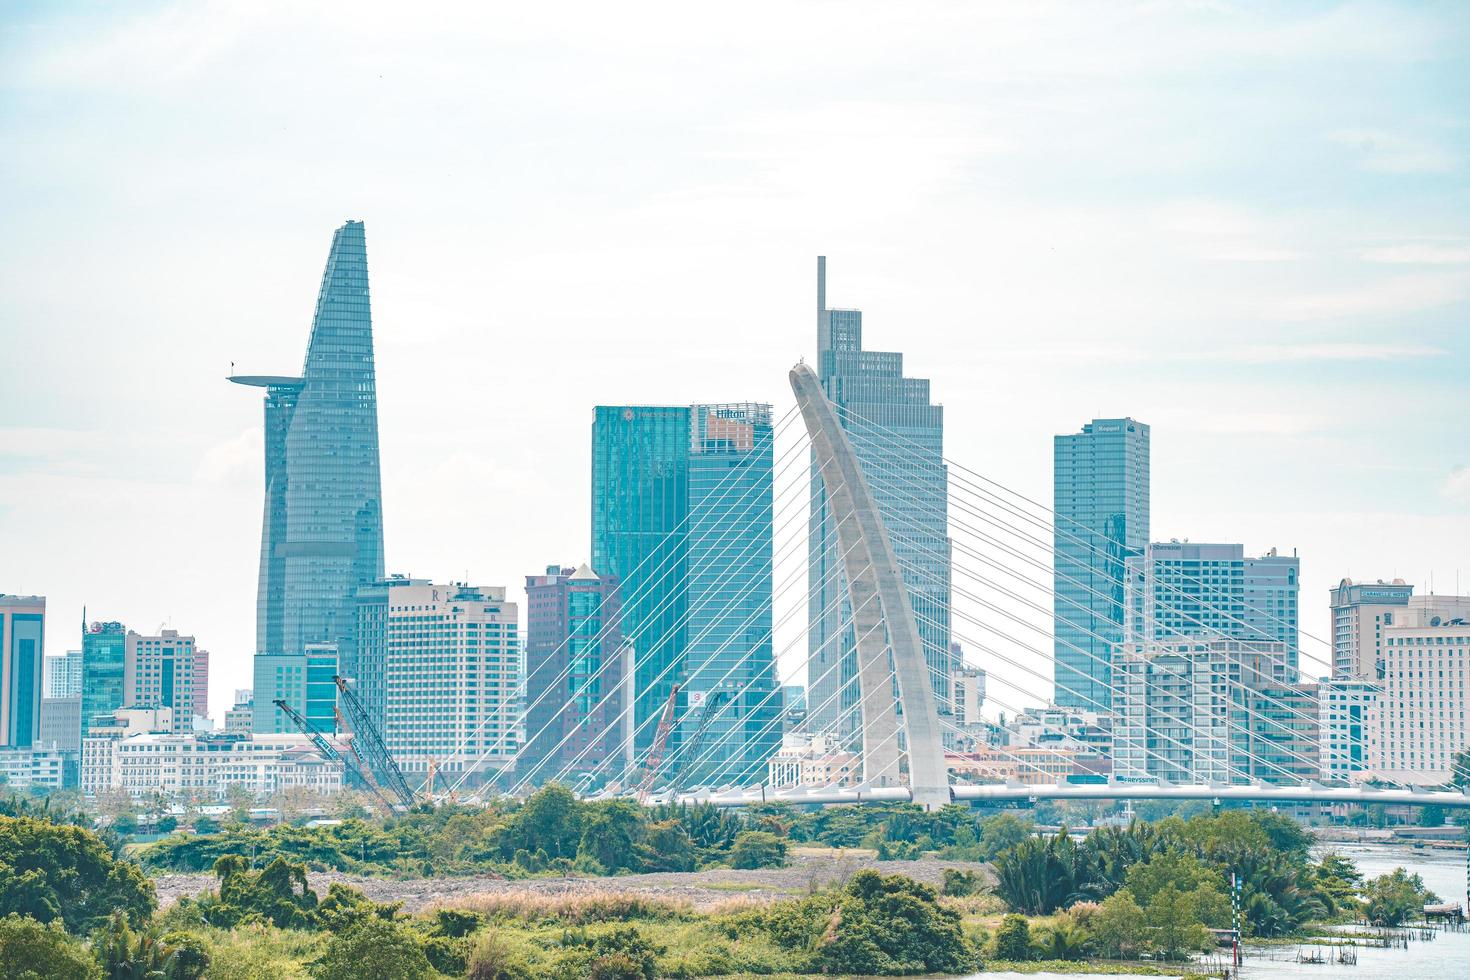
[[369, 744], [330, 752], [656, 750], [712, 702]]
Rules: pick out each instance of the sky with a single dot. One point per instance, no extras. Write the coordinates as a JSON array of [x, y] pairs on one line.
[[1247, 224]]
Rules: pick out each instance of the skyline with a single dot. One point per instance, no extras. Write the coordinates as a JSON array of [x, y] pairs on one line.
[[129, 473]]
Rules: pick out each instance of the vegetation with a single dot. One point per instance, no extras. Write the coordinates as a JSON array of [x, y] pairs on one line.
[[1392, 899], [31, 951], [58, 871]]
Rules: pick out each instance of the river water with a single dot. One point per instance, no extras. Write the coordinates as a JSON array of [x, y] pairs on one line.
[[1447, 957]]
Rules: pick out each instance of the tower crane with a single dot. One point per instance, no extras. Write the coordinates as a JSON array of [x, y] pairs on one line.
[[367, 741], [656, 750], [330, 752]]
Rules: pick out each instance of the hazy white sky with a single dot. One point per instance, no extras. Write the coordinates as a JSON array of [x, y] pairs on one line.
[[1244, 223]]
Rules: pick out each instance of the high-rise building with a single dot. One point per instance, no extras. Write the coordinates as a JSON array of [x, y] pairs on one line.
[[640, 510], [201, 682], [1360, 611], [1183, 588], [322, 535], [369, 657], [104, 662], [64, 675], [22, 648], [1343, 708], [158, 672], [1212, 708], [898, 436], [1101, 510], [61, 724], [304, 681], [732, 725], [574, 677], [1418, 722], [450, 681]]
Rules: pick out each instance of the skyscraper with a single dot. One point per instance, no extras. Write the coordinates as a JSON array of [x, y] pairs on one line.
[[22, 646], [158, 672], [898, 435], [732, 726], [322, 534], [104, 656], [1101, 508], [574, 674], [64, 675], [640, 502]]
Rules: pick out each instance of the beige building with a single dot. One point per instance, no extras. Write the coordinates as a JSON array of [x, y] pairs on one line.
[[98, 743], [813, 762], [1026, 765], [1362, 611], [209, 766], [158, 672], [1418, 722]]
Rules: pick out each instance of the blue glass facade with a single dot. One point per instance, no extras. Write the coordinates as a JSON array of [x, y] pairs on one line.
[[104, 663], [22, 645], [322, 535], [732, 723], [898, 435], [640, 500], [1101, 504]]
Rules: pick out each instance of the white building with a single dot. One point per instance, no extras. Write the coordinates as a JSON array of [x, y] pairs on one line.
[[449, 656], [24, 768], [967, 690], [1419, 719], [1361, 611], [238, 718], [61, 724], [207, 766], [158, 672], [816, 761], [1089, 732], [1343, 711], [64, 675], [97, 745]]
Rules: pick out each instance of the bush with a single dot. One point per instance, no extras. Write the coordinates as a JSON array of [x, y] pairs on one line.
[[958, 884], [375, 949], [757, 849], [1013, 939], [492, 958], [32, 951], [54, 872]]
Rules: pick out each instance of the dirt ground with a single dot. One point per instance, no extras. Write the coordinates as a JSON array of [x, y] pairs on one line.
[[702, 889]]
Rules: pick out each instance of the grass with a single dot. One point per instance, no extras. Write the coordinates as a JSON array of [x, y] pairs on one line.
[[1096, 968], [568, 908]]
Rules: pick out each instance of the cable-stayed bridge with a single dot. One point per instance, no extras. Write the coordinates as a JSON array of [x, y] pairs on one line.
[[999, 566]]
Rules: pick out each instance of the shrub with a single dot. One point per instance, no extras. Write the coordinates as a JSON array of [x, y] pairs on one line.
[[1013, 939], [958, 884], [32, 951], [492, 958], [375, 949], [50, 871], [757, 849]]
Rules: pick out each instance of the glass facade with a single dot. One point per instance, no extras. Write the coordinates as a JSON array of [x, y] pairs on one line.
[[22, 645], [1101, 504], [898, 436], [732, 725], [322, 534], [104, 659], [640, 500]]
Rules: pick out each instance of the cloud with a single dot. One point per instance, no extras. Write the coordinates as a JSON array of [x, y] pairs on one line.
[[1388, 297], [1419, 254], [1249, 354], [1457, 485], [1391, 153], [37, 441], [233, 460]]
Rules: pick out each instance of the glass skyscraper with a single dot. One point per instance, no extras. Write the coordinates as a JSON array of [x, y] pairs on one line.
[[104, 664], [898, 435], [1101, 516], [322, 534], [640, 502], [732, 725], [22, 645]]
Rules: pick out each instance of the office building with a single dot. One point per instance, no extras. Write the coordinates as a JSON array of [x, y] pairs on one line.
[[1212, 708], [967, 685], [1180, 589], [575, 724], [364, 671], [200, 682], [22, 649], [1419, 718], [104, 663], [732, 723], [61, 724], [1343, 709], [322, 534], [158, 672], [207, 767], [793, 709], [302, 680], [815, 761], [640, 507], [898, 435], [1361, 611], [105, 731], [64, 675], [1101, 505], [33, 768], [450, 682], [1053, 726], [239, 719]]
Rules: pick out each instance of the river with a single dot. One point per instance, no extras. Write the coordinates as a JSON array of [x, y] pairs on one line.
[[1447, 957]]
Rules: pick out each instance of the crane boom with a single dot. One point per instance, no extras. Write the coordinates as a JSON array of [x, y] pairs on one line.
[[366, 738], [656, 750], [329, 751], [706, 715]]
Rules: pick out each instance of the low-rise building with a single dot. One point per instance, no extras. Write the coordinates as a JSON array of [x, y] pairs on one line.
[[1052, 726], [1343, 715], [817, 761], [208, 766], [26, 768], [106, 731], [238, 719], [1026, 765]]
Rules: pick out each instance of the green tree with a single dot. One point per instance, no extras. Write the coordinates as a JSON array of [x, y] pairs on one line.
[[1003, 831], [32, 951], [1392, 899], [1460, 768], [1431, 816], [550, 820], [1174, 929], [375, 949], [1013, 939], [757, 849], [1182, 870], [127, 955], [50, 871], [1120, 926], [611, 831]]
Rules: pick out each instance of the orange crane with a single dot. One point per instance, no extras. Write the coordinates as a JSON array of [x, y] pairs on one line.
[[656, 750]]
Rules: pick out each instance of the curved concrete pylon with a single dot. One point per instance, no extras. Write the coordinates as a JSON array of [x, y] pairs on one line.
[[882, 617]]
